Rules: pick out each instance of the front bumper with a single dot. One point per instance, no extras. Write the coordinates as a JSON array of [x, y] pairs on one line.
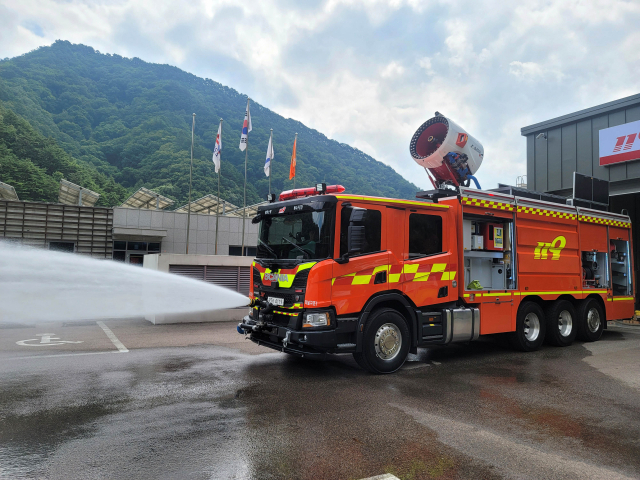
[[313, 343]]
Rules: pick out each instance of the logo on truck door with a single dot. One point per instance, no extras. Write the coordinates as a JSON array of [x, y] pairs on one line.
[[541, 252]]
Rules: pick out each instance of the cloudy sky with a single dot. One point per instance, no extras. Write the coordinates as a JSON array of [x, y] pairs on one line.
[[368, 73]]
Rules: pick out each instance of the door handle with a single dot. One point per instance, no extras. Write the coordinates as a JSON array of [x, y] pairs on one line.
[[381, 277]]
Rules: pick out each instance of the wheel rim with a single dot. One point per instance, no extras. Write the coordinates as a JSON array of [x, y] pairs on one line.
[[531, 327], [388, 341], [565, 323], [593, 320]]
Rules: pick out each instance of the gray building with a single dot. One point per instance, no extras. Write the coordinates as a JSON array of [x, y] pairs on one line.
[[124, 234], [559, 146]]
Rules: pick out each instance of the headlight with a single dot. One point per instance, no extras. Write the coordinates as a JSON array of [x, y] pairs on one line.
[[317, 319]]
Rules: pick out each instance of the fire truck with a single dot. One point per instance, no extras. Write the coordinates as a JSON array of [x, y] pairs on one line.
[[380, 277]]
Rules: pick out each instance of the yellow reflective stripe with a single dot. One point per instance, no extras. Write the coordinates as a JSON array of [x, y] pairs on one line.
[[452, 275], [410, 268], [361, 279], [394, 277], [445, 275], [381, 268], [421, 276], [438, 267], [476, 294], [305, 266], [391, 200], [617, 299]]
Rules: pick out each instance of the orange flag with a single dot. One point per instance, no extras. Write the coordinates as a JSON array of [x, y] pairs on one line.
[[292, 168]]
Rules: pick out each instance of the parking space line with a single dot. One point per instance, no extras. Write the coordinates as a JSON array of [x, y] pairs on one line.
[[61, 355], [113, 338]]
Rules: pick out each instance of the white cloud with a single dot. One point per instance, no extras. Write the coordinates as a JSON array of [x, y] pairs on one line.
[[369, 72]]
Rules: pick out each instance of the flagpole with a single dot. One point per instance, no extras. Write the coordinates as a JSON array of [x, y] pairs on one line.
[[295, 142], [218, 203], [244, 203], [270, 161], [193, 127]]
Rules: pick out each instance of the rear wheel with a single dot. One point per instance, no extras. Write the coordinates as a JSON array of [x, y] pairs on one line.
[[590, 320], [530, 328], [561, 323], [386, 342]]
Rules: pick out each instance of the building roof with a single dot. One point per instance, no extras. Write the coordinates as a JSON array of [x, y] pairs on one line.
[[147, 199], [582, 114], [208, 205]]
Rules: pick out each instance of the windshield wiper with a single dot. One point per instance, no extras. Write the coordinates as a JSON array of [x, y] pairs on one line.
[[269, 249], [296, 246]]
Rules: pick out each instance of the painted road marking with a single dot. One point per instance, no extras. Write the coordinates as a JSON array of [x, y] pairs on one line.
[[113, 338], [385, 476], [60, 355], [45, 341]]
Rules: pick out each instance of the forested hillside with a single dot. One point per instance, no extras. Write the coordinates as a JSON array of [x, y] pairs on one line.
[[34, 165], [131, 121]]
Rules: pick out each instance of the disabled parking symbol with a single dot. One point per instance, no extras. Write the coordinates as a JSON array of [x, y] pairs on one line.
[[46, 339]]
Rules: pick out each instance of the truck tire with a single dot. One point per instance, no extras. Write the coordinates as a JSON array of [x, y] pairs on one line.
[[386, 342], [590, 320], [561, 323], [530, 328]]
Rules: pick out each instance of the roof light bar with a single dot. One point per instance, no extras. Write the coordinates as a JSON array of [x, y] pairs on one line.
[[319, 189]]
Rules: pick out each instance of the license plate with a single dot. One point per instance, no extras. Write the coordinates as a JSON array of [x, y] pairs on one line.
[[275, 301]]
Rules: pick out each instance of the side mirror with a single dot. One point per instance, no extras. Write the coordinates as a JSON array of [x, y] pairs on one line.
[[256, 219]]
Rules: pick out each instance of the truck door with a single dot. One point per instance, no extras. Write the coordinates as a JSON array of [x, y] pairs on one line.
[[430, 260], [367, 273]]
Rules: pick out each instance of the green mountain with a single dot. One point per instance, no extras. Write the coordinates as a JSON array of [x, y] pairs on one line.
[[127, 123]]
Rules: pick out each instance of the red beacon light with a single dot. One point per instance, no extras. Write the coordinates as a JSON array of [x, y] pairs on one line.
[[319, 189]]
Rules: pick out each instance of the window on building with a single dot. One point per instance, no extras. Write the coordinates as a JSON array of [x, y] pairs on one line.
[[119, 255], [120, 245], [425, 235], [137, 246], [373, 228], [68, 247], [154, 247], [236, 250]]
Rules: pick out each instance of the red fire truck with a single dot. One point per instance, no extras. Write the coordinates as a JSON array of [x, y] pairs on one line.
[[380, 277]]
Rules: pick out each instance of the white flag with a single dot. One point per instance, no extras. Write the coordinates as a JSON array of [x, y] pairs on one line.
[[267, 163], [217, 149], [246, 128]]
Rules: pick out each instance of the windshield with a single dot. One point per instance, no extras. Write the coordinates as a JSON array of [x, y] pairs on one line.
[[301, 236]]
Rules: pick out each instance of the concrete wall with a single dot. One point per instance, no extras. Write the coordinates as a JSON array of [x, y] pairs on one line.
[[171, 229], [162, 263], [572, 144]]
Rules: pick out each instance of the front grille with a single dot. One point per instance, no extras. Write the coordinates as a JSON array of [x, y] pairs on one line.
[[301, 279]]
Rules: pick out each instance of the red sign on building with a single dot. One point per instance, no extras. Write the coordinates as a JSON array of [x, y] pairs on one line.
[[620, 143]]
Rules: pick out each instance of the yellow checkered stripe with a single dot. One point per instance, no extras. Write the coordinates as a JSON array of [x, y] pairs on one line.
[[412, 269], [604, 221], [547, 213], [477, 202], [407, 270], [294, 307], [290, 314]]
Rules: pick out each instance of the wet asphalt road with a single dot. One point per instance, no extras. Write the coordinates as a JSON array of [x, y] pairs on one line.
[[198, 402]]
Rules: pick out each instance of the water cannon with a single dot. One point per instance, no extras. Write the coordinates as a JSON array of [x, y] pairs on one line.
[[449, 154]]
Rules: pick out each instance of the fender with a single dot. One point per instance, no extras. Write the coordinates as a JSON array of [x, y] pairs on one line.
[[388, 297]]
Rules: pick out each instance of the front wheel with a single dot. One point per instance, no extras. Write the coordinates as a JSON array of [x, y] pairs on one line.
[[530, 328], [386, 342]]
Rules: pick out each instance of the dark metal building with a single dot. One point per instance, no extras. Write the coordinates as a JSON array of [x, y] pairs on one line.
[[558, 147]]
